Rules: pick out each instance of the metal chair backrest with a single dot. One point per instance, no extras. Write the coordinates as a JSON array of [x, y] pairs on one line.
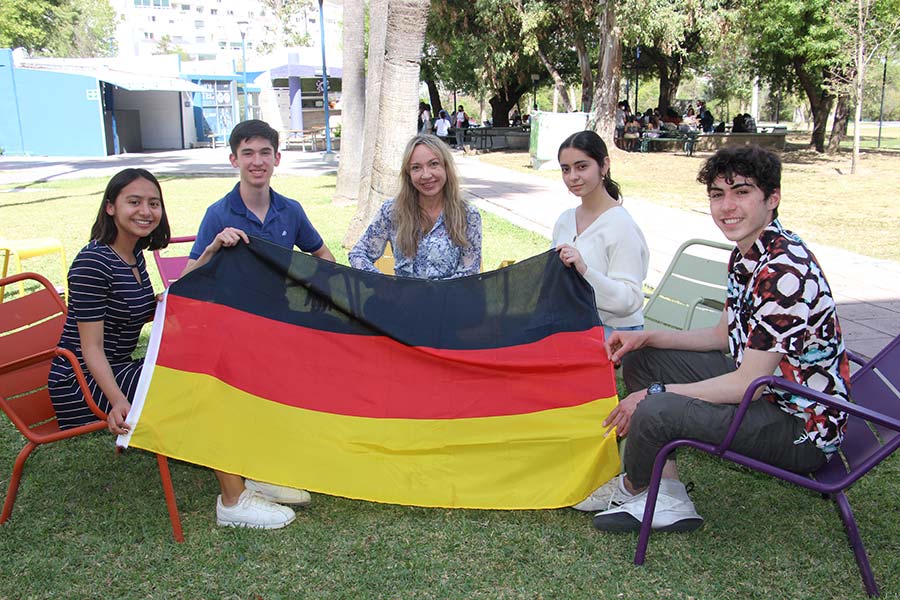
[[171, 267], [876, 386], [691, 293], [30, 327]]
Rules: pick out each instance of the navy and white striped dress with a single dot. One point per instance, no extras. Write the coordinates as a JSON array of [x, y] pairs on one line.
[[101, 288]]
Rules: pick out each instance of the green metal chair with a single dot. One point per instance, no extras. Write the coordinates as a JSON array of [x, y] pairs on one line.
[[691, 294]]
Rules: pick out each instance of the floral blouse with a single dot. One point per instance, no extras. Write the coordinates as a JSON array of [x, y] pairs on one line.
[[437, 257]]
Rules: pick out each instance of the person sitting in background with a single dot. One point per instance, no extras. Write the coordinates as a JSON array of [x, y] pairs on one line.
[[434, 232], [651, 129], [749, 123], [739, 125], [632, 135], [705, 117], [424, 118], [690, 121], [442, 125]]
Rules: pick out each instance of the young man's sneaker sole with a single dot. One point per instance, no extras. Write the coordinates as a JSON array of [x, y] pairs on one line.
[[623, 522]]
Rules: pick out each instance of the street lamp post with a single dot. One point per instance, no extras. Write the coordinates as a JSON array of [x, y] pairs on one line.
[[328, 153], [881, 110], [534, 79], [242, 27], [637, 82]]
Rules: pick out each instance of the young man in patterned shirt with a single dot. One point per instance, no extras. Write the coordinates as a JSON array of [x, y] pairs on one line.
[[779, 318]]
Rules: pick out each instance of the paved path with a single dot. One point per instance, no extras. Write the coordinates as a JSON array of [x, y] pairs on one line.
[[867, 290]]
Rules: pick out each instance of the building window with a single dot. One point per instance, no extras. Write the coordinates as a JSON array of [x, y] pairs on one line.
[[222, 45], [230, 13], [214, 11], [140, 3], [198, 24], [148, 35], [160, 3], [153, 18], [199, 9], [201, 39]]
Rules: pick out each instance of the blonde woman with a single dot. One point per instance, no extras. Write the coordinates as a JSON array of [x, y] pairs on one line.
[[435, 234]]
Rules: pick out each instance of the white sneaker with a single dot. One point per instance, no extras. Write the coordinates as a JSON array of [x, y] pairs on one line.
[[610, 494], [254, 511], [278, 493], [674, 511]]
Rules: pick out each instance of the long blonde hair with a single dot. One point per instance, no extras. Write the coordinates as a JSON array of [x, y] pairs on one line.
[[409, 218]]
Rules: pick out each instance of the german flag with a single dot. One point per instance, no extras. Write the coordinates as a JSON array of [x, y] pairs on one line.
[[482, 392]]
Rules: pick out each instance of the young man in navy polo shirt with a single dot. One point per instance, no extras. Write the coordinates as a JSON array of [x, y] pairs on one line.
[[254, 208]]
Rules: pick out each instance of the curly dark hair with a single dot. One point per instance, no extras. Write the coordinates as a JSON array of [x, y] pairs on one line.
[[761, 165]]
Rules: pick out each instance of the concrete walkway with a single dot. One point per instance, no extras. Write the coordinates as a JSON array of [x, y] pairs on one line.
[[867, 290]]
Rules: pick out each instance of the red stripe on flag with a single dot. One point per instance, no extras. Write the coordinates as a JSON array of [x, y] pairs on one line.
[[386, 378]]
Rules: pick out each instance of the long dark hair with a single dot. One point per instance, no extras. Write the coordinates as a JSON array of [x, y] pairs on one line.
[[105, 230], [592, 144]]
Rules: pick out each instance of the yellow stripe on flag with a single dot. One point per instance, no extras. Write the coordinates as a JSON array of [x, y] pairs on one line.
[[547, 459]]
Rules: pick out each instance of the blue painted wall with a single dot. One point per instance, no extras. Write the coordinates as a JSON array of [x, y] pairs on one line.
[[60, 113], [10, 128]]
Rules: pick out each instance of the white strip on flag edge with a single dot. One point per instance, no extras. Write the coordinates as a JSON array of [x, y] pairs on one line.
[[137, 405]]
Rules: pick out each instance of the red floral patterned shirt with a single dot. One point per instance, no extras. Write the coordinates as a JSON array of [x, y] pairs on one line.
[[779, 301]]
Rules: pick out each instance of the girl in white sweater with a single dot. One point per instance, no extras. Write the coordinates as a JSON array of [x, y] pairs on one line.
[[599, 238]]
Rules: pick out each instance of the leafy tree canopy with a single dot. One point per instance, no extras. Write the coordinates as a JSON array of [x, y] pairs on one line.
[[65, 28]]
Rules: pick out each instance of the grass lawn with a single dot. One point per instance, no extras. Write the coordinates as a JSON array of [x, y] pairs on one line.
[[91, 524], [820, 200]]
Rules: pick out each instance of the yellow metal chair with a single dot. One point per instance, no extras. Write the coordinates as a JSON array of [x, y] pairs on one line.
[[19, 250]]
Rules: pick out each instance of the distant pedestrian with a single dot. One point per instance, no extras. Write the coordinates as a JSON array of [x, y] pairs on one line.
[[461, 121]]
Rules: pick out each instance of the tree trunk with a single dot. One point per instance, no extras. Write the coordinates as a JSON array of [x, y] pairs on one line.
[[501, 103], [353, 103], [862, 17], [609, 73], [399, 101], [669, 71], [587, 75], [378, 12], [557, 82], [434, 97], [820, 101], [839, 125]]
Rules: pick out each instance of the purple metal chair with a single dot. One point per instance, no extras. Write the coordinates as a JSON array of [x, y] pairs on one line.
[[871, 436]]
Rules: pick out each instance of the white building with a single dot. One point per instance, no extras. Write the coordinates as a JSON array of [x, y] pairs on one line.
[[211, 29]]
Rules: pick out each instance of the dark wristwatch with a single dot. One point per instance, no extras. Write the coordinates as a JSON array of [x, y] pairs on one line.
[[657, 387]]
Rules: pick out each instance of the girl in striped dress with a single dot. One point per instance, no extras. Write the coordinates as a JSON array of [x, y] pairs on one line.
[[110, 300]]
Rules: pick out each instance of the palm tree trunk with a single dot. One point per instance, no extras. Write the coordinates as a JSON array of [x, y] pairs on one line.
[[398, 100], [353, 101], [378, 10], [609, 72]]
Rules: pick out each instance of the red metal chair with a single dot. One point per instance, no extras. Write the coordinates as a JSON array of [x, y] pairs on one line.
[[872, 435], [171, 267], [30, 326]]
